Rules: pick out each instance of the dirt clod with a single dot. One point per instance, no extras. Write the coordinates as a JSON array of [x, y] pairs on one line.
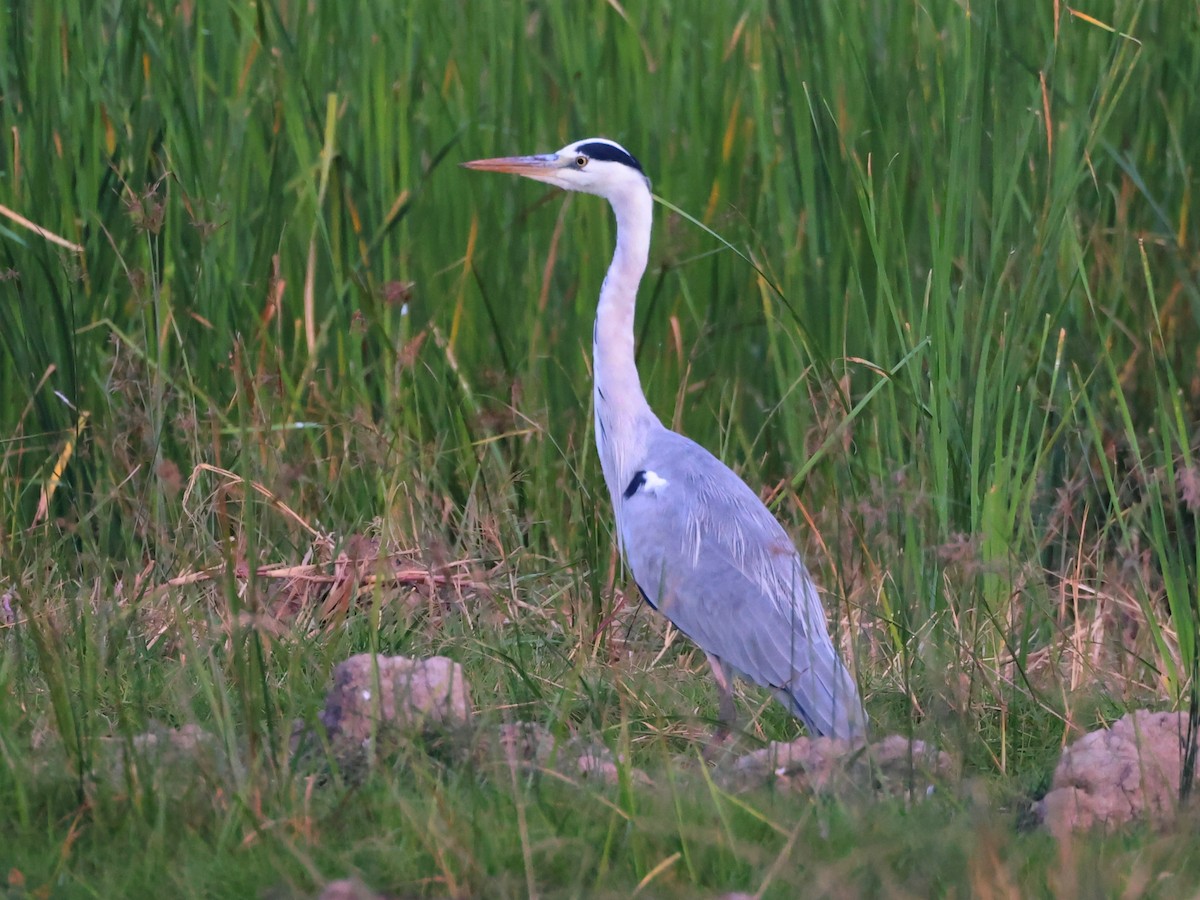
[[1129, 772]]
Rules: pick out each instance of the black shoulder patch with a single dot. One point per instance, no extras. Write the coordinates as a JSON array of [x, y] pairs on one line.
[[638, 479], [610, 153]]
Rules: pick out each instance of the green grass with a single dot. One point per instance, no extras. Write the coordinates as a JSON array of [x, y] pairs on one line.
[[944, 309]]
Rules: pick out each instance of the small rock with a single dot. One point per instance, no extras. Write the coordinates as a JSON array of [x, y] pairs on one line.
[[162, 750], [414, 693], [530, 746], [1128, 772], [526, 743], [902, 766], [391, 699], [895, 765], [598, 763], [805, 763], [185, 740]]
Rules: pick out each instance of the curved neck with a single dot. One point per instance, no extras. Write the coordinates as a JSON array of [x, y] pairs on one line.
[[622, 414]]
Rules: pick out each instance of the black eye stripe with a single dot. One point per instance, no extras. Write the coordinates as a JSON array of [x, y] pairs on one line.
[[609, 153]]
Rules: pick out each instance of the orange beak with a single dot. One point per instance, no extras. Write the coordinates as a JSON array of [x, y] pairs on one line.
[[529, 166]]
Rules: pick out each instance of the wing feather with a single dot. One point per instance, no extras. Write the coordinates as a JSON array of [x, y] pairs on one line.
[[711, 557]]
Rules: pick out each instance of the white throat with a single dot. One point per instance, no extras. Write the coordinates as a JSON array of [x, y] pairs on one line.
[[623, 417]]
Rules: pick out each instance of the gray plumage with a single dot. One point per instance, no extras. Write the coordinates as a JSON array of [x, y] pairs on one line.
[[703, 548], [711, 558]]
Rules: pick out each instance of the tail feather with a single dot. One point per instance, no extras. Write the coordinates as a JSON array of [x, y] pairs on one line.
[[825, 697]]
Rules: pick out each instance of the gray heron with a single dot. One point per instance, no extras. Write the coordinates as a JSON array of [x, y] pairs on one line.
[[704, 550]]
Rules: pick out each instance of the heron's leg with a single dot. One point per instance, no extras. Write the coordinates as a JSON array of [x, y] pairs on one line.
[[726, 710]]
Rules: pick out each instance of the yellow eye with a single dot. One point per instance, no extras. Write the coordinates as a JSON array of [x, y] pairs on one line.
[[580, 162]]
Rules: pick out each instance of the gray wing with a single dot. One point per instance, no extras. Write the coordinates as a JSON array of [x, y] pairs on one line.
[[710, 557]]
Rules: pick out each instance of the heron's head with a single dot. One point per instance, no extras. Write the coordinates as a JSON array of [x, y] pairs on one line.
[[594, 166]]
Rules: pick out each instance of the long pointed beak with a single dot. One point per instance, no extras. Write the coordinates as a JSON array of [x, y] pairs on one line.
[[529, 166]]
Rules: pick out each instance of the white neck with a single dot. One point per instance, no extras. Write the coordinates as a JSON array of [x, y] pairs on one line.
[[623, 417]]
